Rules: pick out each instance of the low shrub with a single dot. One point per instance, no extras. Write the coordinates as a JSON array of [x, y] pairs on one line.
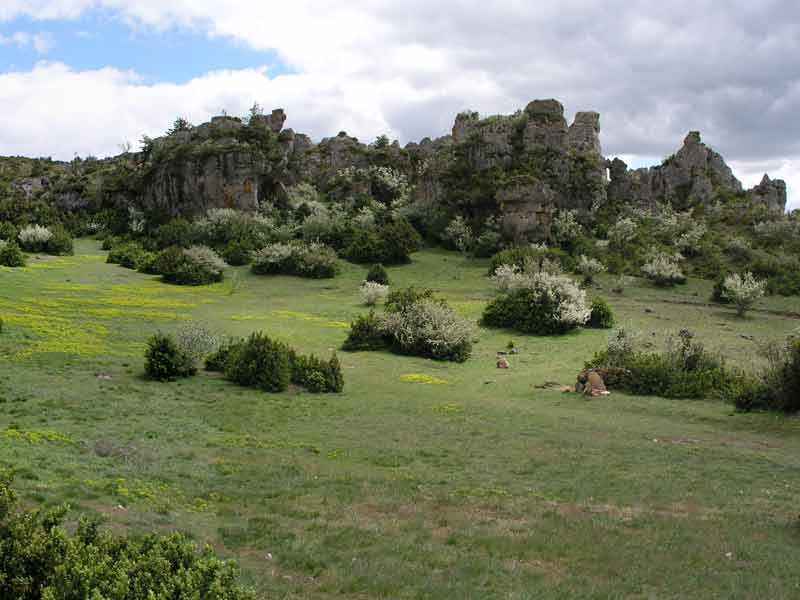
[[589, 268], [11, 255], [316, 375], [8, 231], [40, 558], [34, 238], [312, 260], [600, 316], [127, 254], [684, 370], [390, 244], [366, 334], [718, 291], [261, 362], [372, 293], [178, 232], [238, 253], [543, 304], [533, 258], [664, 269], [198, 265], [60, 242], [778, 387], [217, 361], [165, 360], [377, 274]]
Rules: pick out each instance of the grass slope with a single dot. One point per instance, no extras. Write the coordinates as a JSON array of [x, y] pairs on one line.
[[478, 485]]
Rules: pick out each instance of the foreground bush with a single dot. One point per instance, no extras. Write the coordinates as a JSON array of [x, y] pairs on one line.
[[165, 360], [197, 265], [414, 323], [40, 559], [684, 370], [778, 387], [313, 260], [34, 238], [11, 255], [270, 365], [541, 304], [743, 291], [664, 269]]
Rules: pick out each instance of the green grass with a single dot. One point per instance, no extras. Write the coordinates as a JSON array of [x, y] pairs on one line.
[[490, 485]]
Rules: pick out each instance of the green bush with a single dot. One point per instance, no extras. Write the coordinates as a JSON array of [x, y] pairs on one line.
[[718, 292], [8, 231], [238, 253], [316, 375], [39, 558], [11, 255], [178, 232], [165, 360], [378, 274], [313, 260], [60, 243], [365, 334], [198, 265], [390, 244], [778, 387], [127, 254], [260, 362], [217, 361], [601, 316]]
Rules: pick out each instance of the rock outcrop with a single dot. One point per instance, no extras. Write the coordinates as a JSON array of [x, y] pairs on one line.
[[695, 174]]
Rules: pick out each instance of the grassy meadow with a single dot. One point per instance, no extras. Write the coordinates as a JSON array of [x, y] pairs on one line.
[[421, 480]]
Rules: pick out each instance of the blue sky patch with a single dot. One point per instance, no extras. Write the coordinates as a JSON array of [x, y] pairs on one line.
[[99, 39]]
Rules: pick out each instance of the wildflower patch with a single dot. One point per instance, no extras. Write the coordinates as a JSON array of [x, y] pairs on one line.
[[423, 379]]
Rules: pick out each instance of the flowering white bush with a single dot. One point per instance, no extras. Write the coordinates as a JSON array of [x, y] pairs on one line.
[[430, 328], [738, 249], [195, 341], [743, 291], [689, 242], [302, 193], [623, 232], [365, 217], [206, 258], [589, 268], [566, 227], [273, 254], [540, 303], [509, 277], [373, 292], [34, 237], [459, 234], [313, 260], [664, 269]]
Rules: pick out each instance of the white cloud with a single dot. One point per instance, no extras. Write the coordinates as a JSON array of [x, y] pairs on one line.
[[40, 42], [374, 66]]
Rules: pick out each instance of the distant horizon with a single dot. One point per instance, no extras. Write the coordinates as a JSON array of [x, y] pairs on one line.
[[84, 76]]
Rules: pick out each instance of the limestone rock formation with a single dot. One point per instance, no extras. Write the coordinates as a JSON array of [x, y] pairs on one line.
[[695, 174]]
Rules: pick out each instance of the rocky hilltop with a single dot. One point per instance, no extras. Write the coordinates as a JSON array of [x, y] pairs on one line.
[[518, 169]]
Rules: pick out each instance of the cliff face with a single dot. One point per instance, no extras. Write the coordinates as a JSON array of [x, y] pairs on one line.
[[518, 168], [694, 174]]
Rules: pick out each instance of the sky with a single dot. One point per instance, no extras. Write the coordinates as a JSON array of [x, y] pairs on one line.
[[86, 76]]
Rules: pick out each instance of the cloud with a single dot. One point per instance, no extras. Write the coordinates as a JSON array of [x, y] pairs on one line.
[[40, 42], [373, 66]]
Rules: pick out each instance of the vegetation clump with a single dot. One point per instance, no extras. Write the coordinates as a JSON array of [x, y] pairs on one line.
[[743, 291], [377, 274], [600, 316], [11, 255], [40, 558], [313, 260], [777, 388], [165, 360]]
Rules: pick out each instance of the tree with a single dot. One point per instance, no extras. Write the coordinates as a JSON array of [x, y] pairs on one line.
[[743, 291]]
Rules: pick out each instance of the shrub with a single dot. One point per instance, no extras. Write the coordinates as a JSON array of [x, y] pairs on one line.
[[11, 255], [8, 231], [372, 293], [429, 328], [600, 316], [238, 253], [217, 361], [195, 341], [718, 291], [544, 305], [260, 362], [178, 232], [532, 259], [313, 260], [589, 268], [126, 255], [459, 235], [165, 360], [683, 370], [60, 242], [390, 244], [365, 334], [198, 265], [377, 274], [623, 233], [743, 291], [34, 238], [316, 375], [39, 558], [778, 387], [663, 269]]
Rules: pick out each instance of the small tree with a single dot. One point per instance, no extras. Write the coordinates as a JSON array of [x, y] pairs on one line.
[[589, 268], [664, 269], [459, 234], [743, 291]]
